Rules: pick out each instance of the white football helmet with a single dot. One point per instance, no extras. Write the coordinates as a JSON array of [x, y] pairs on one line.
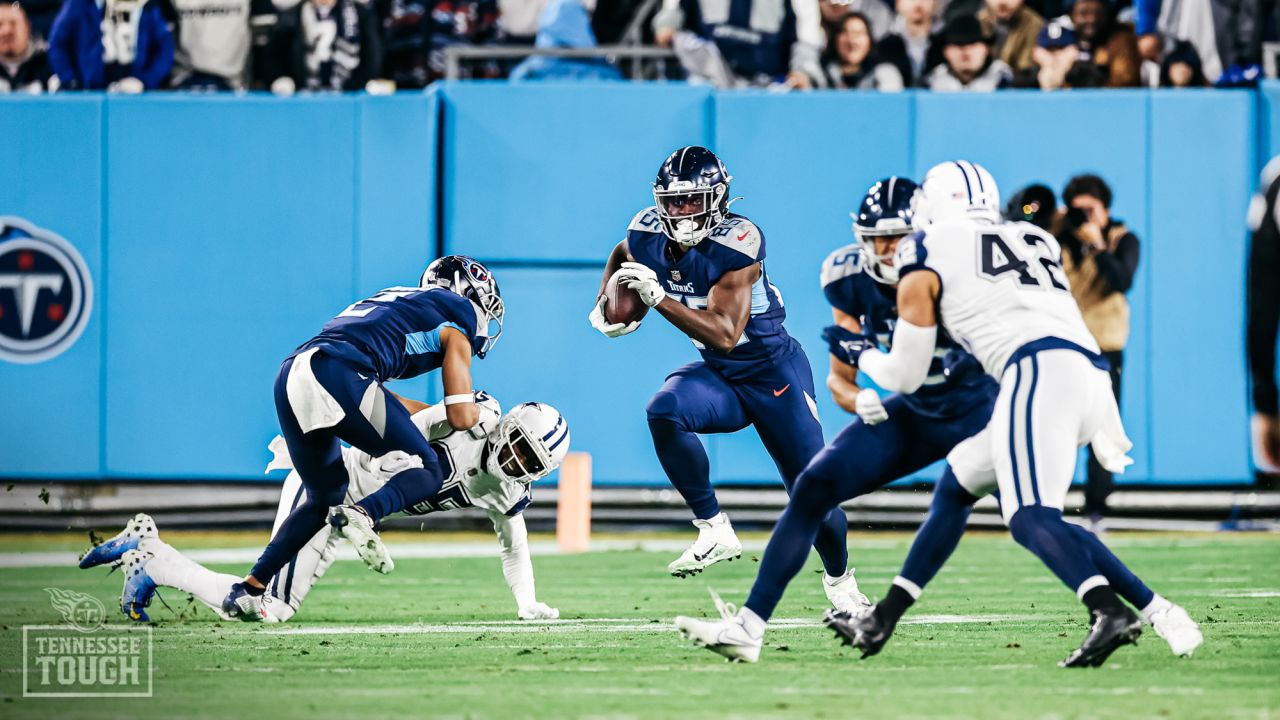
[[957, 190], [529, 442]]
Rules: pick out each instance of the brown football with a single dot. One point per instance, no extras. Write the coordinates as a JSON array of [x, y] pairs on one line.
[[622, 304]]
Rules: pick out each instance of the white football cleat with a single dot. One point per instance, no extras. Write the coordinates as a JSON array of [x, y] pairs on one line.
[[728, 636], [353, 524], [1178, 629], [844, 595], [716, 541]]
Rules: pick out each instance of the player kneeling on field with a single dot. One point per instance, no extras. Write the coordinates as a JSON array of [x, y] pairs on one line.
[[490, 466]]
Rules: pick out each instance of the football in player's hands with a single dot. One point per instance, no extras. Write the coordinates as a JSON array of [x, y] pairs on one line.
[[622, 304]]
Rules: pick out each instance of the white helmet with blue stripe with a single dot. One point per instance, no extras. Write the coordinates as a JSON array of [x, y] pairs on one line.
[[957, 190], [529, 442]]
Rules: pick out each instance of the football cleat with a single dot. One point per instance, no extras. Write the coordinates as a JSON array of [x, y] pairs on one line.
[[1110, 630], [355, 525], [240, 605], [716, 541], [1178, 629], [139, 588], [864, 630], [139, 528], [728, 636], [843, 593]]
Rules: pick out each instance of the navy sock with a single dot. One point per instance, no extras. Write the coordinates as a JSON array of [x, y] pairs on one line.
[[294, 533], [785, 555], [894, 605], [1043, 531], [1126, 584], [254, 591], [941, 531], [404, 490], [685, 461], [1101, 598]]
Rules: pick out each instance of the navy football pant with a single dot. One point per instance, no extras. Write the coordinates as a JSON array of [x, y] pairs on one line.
[[317, 456], [862, 458], [777, 401]]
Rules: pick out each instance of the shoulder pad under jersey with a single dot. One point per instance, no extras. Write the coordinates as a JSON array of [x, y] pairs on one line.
[[740, 234], [646, 221], [841, 263]]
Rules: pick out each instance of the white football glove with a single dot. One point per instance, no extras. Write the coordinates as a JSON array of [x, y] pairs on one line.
[[643, 280], [538, 611], [606, 328], [869, 407], [490, 414]]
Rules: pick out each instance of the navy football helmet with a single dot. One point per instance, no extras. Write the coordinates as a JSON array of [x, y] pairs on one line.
[[692, 194], [885, 212], [473, 281]]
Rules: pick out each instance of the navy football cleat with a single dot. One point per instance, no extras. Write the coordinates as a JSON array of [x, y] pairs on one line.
[[139, 588], [139, 528], [1110, 630], [866, 630], [240, 605]]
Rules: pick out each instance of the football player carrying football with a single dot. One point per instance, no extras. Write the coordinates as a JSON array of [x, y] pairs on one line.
[[702, 268]]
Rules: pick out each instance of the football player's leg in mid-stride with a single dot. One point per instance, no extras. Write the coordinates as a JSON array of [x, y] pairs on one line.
[[702, 268]]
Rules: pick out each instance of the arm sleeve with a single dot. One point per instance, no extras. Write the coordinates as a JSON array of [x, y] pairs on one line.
[[1146, 12], [160, 53], [1117, 268], [62, 57], [517, 567], [433, 422], [904, 368], [1264, 307], [805, 54], [670, 17]]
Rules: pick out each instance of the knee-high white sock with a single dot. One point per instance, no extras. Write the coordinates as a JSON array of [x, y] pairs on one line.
[[171, 568]]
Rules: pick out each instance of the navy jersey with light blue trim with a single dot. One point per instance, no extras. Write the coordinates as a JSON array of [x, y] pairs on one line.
[[396, 333], [735, 244], [956, 382]]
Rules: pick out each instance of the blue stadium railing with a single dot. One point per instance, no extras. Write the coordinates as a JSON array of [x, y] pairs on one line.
[[222, 231]]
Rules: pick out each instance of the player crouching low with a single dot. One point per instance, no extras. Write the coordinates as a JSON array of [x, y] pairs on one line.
[[489, 467]]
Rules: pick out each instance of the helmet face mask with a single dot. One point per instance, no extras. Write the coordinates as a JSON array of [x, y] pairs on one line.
[[691, 193], [528, 444], [471, 280], [886, 213]]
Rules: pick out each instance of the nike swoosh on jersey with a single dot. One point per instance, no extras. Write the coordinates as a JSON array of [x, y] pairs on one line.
[[778, 393], [743, 236]]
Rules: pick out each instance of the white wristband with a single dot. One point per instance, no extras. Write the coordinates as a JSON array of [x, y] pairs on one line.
[[459, 399]]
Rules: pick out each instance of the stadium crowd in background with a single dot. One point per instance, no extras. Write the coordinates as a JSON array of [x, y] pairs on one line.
[[881, 45]]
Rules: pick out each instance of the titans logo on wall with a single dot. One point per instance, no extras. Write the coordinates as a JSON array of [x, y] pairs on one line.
[[46, 294]]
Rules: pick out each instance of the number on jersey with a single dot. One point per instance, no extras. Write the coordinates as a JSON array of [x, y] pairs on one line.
[[364, 307], [1041, 266]]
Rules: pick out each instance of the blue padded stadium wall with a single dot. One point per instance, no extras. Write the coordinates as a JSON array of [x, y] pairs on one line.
[[222, 231]]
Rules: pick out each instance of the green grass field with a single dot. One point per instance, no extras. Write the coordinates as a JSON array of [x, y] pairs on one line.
[[438, 639]]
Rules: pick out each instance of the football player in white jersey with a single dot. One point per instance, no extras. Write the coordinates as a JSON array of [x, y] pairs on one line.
[[490, 466], [999, 290]]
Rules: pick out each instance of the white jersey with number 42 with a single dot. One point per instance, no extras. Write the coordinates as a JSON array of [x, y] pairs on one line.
[[1002, 286]]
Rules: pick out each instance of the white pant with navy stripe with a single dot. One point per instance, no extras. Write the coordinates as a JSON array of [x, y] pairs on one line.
[[1051, 404]]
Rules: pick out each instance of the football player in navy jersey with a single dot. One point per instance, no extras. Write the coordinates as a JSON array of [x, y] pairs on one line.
[[701, 267], [888, 440], [331, 390]]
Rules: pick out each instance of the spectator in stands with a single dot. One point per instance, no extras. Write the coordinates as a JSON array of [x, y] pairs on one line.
[[851, 62], [1110, 45], [212, 40], [336, 46], [565, 24], [1225, 33], [24, 64], [969, 65], [1100, 256], [1013, 27], [761, 43], [116, 45], [1181, 68], [611, 19], [462, 22], [41, 14], [911, 44], [520, 20], [877, 12]]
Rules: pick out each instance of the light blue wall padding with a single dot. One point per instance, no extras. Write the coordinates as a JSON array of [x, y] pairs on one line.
[[1198, 249], [556, 171], [51, 413], [223, 231], [802, 164]]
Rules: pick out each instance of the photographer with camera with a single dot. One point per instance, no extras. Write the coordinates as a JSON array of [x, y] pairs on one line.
[[1100, 256]]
